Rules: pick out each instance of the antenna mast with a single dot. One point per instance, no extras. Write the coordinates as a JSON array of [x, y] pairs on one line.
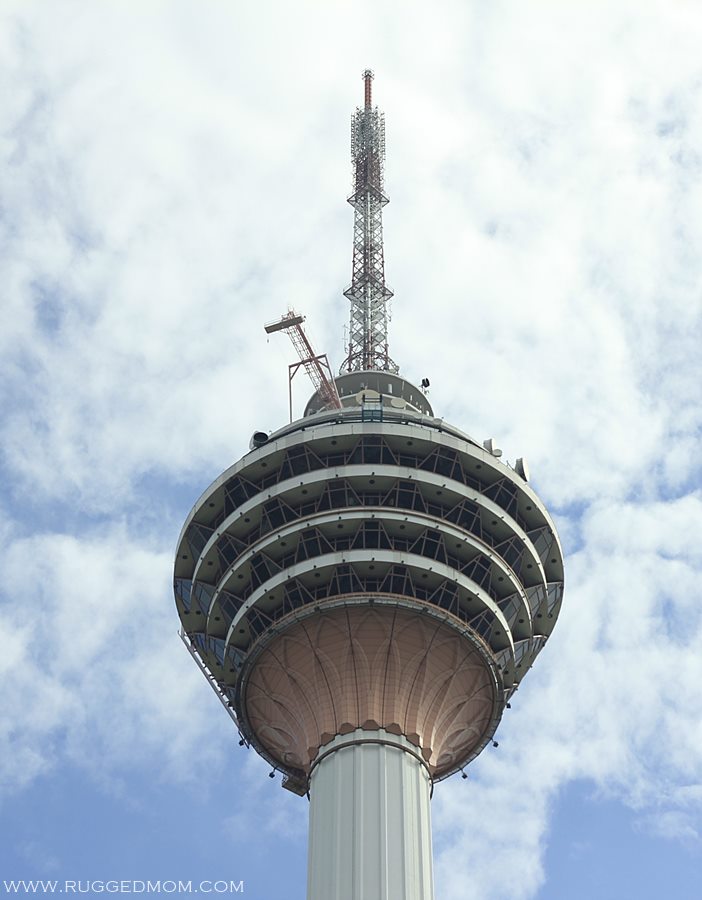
[[368, 293]]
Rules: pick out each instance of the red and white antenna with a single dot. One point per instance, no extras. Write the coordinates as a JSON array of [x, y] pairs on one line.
[[368, 294]]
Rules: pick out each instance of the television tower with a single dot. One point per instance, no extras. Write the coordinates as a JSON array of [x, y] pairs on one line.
[[366, 588]]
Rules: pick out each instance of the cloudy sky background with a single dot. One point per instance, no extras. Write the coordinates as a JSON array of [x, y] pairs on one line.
[[172, 176]]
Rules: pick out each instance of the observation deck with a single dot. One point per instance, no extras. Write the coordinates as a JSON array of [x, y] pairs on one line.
[[368, 568]]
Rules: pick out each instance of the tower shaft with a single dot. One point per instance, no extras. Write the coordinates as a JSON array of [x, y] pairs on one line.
[[370, 820], [368, 293]]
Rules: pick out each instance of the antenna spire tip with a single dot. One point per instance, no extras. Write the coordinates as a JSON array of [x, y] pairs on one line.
[[368, 77]]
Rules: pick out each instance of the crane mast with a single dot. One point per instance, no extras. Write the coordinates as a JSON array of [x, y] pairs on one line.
[[315, 364]]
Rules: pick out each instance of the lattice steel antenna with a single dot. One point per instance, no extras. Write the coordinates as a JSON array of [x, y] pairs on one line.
[[368, 293]]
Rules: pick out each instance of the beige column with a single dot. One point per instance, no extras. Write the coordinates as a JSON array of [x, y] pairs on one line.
[[370, 828]]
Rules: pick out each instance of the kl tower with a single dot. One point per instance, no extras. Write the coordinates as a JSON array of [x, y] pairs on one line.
[[366, 588]]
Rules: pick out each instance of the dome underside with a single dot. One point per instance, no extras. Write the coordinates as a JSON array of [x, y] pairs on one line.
[[370, 667]]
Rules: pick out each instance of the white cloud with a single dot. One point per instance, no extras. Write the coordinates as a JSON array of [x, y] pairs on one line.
[[673, 825], [93, 669]]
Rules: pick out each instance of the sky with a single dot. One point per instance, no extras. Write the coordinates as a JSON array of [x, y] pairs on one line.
[[172, 176]]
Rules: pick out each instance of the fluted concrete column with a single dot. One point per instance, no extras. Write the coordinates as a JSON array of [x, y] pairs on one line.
[[370, 828]]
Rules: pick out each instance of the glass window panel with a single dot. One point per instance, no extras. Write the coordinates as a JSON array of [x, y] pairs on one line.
[[203, 596], [183, 587]]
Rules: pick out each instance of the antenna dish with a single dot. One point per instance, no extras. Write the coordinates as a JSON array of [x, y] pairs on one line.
[[258, 439], [521, 468], [489, 445]]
